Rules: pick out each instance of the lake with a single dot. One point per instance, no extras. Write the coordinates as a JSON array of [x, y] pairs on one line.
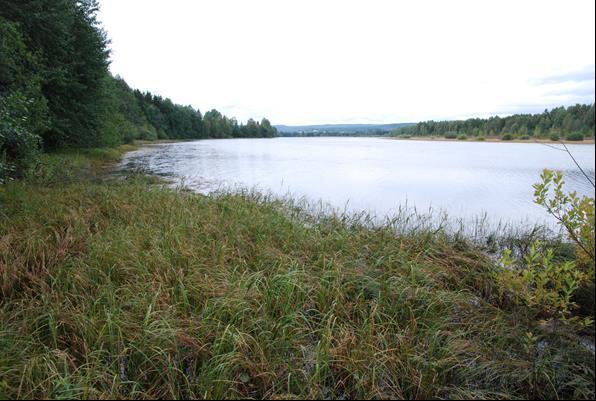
[[463, 179]]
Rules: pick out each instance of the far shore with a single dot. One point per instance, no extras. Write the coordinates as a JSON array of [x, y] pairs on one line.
[[589, 141]]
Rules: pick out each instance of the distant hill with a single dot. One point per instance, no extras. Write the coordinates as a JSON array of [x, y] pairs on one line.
[[338, 129]]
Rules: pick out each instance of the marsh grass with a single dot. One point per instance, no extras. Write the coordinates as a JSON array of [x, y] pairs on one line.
[[127, 288]]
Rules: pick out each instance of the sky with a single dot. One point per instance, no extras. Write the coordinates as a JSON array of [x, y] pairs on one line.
[[371, 61]]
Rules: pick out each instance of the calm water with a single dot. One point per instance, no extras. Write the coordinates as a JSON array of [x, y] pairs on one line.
[[464, 179]]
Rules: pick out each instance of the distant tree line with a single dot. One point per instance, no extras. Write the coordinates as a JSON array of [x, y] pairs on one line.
[[56, 90], [335, 133], [574, 121]]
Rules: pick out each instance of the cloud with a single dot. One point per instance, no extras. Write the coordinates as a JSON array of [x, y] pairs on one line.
[[584, 89], [585, 74], [564, 87]]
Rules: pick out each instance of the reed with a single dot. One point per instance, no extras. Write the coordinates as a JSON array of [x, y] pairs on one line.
[[122, 287]]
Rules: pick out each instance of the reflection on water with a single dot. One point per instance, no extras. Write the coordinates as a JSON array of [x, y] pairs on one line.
[[464, 179]]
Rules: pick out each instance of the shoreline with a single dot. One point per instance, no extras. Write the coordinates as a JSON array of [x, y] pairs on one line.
[[590, 141], [440, 216]]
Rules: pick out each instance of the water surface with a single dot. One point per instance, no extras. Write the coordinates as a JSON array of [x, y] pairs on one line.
[[464, 179]]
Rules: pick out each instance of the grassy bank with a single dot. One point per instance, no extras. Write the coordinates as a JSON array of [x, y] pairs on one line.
[[124, 288]]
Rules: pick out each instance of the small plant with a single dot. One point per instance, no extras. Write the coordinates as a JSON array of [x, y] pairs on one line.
[[524, 137], [450, 135], [554, 137], [481, 138], [575, 214], [547, 286], [539, 282], [575, 136], [462, 137], [507, 137]]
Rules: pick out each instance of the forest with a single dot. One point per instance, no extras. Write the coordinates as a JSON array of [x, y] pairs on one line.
[[56, 90], [573, 122]]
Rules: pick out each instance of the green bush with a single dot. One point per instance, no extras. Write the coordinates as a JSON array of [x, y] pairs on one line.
[[507, 137], [462, 137], [554, 137], [575, 214], [451, 135], [540, 282], [524, 137], [546, 284], [148, 133], [19, 147], [575, 136]]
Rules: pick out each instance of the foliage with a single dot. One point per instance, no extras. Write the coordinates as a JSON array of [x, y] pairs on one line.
[[462, 137], [574, 213], [451, 135], [20, 79], [22, 107], [546, 285], [507, 137], [540, 282], [554, 137], [575, 136], [19, 146], [74, 55]]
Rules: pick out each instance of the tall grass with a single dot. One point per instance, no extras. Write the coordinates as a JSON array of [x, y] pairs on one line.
[[126, 288]]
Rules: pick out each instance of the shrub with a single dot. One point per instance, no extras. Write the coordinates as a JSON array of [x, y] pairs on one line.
[[524, 137], [147, 133], [541, 283], [575, 214], [548, 286], [575, 136], [554, 137], [462, 137], [450, 135], [481, 138], [19, 147], [507, 137]]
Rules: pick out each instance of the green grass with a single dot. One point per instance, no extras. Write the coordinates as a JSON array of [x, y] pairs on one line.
[[124, 288]]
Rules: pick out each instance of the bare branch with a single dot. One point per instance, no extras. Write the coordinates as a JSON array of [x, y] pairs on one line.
[[566, 149], [577, 164]]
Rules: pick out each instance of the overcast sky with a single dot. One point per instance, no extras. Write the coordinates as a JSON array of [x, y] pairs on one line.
[[370, 61]]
